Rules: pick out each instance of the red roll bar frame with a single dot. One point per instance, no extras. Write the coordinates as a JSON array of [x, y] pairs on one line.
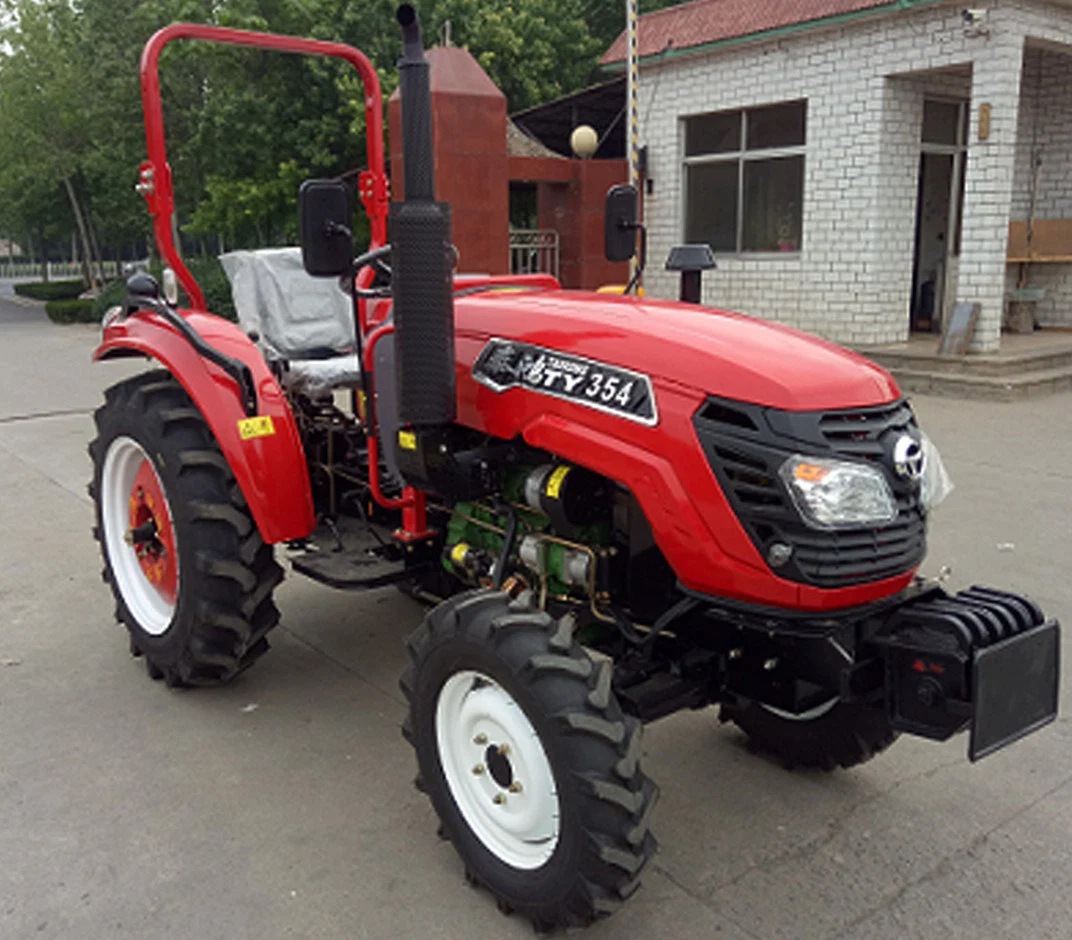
[[372, 186], [155, 176]]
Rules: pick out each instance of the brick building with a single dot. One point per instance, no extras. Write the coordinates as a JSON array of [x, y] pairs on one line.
[[858, 165]]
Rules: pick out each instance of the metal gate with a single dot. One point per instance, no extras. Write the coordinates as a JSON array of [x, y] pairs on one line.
[[534, 251]]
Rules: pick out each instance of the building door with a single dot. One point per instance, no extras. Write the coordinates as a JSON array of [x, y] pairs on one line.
[[938, 212]]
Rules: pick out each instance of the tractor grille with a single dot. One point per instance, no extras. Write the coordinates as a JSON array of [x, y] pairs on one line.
[[746, 445]]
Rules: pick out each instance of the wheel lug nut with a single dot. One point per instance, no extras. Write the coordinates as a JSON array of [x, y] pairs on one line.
[[478, 769], [515, 787], [481, 739], [504, 750], [499, 799]]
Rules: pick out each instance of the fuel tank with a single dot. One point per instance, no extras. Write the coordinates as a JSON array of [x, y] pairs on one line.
[[614, 384]]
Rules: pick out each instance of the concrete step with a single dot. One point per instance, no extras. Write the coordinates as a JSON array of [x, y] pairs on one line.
[[1033, 384], [1043, 360]]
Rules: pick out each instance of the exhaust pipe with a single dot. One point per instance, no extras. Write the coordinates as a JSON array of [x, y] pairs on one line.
[[415, 87], [422, 259]]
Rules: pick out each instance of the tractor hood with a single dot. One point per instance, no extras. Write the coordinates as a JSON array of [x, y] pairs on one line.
[[709, 351]]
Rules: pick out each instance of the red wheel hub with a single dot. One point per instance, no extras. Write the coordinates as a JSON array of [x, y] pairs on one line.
[[152, 533]]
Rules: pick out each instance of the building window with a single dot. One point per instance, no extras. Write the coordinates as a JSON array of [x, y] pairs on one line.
[[744, 178]]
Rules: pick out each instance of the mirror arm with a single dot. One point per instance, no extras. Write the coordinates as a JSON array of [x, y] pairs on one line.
[[337, 228], [642, 261]]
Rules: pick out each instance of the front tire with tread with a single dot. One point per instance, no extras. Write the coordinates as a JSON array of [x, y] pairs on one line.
[[604, 799]]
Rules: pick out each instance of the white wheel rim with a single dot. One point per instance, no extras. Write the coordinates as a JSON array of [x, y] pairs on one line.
[[810, 715], [515, 815], [121, 464]]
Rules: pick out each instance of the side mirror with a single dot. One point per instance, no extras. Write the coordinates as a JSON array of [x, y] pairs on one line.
[[324, 223], [620, 223]]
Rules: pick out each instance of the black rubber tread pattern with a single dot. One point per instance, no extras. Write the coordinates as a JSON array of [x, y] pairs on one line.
[[226, 571], [847, 735], [606, 800]]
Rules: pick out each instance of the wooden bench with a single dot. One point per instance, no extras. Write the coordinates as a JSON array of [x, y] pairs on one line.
[[1051, 242]]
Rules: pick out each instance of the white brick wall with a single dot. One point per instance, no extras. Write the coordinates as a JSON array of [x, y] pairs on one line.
[[852, 279]]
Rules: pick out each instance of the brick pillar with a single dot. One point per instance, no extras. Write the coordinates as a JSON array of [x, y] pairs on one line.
[[471, 164], [996, 75]]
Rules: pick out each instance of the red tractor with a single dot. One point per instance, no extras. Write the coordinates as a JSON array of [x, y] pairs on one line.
[[618, 507]]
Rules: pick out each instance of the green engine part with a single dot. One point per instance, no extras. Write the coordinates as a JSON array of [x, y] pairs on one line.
[[465, 529]]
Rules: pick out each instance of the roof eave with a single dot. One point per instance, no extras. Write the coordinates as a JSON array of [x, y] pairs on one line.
[[778, 32]]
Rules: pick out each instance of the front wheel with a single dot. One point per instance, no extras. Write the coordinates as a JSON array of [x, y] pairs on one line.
[[528, 759], [191, 575]]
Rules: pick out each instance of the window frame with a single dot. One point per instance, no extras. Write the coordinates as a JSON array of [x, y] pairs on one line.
[[741, 157]]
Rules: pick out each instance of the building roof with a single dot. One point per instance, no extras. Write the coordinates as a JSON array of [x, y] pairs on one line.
[[453, 70], [702, 22], [520, 144], [601, 106]]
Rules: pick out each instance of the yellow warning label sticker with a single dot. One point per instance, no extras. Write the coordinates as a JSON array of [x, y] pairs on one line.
[[407, 440], [260, 426], [458, 553], [554, 481]]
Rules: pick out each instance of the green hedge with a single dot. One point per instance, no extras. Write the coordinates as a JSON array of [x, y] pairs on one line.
[[112, 296], [208, 272], [51, 290], [71, 311]]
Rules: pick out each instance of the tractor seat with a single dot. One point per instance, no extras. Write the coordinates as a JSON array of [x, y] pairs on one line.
[[303, 324]]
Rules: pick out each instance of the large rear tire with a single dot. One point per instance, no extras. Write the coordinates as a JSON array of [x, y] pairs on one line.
[[528, 759], [837, 734], [191, 576]]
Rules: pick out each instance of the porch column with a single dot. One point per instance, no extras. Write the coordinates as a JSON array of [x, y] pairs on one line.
[[988, 190]]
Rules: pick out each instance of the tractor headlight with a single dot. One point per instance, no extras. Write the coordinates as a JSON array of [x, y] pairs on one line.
[[836, 494]]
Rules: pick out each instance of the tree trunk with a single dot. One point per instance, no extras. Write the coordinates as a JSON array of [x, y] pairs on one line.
[[81, 223], [94, 244], [44, 258]]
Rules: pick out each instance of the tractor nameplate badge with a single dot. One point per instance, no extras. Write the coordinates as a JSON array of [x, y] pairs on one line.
[[261, 426], [505, 364]]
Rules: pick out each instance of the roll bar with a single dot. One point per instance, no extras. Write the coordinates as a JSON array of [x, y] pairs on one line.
[[155, 173]]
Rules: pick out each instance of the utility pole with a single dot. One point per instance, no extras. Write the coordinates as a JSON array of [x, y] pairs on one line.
[[633, 143]]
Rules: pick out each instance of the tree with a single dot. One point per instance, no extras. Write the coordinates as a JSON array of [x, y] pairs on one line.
[[244, 126], [44, 127]]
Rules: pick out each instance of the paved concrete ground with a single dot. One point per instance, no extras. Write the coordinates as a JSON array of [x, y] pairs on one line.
[[128, 810]]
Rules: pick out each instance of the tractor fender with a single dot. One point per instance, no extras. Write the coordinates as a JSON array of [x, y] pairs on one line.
[[266, 457]]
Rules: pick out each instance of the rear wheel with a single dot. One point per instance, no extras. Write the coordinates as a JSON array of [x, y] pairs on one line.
[[191, 576], [834, 734], [528, 759]]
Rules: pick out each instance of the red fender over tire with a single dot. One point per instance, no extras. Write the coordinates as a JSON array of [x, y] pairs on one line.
[[270, 468]]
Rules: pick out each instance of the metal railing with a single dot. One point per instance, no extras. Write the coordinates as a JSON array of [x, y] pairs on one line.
[[534, 251], [57, 270]]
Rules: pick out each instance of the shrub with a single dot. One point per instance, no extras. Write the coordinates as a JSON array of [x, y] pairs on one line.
[[71, 311], [112, 296], [51, 290], [209, 274]]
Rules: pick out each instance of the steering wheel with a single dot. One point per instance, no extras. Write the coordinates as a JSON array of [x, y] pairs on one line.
[[381, 267]]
